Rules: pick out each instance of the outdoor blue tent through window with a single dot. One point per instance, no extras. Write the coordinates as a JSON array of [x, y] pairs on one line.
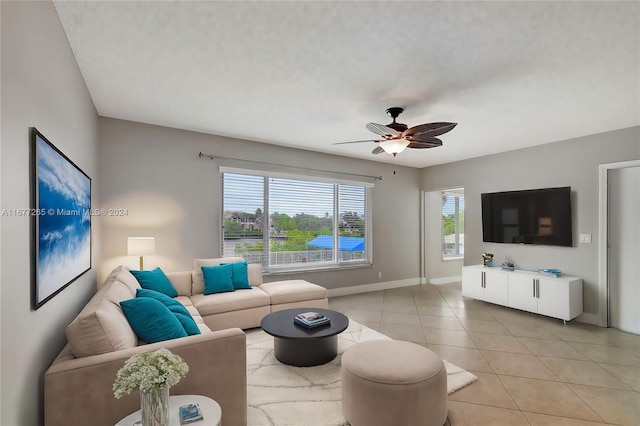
[[290, 222], [344, 243]]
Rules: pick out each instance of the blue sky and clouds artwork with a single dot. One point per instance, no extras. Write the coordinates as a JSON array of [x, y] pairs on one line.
[[64, 221]]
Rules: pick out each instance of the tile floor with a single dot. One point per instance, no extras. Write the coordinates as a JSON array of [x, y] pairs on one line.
[[532, 370]]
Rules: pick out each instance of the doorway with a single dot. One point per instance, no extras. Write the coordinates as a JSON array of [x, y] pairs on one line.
[[620, 245]]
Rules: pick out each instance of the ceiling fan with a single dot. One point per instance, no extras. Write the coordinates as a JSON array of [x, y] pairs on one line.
[[397, 136]]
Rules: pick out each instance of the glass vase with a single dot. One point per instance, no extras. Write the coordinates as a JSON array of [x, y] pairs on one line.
[[154, 405]]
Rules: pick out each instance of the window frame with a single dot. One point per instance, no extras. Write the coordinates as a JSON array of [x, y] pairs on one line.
[[336, 180]]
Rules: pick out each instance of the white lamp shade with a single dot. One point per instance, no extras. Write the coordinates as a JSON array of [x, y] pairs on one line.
[[394, 146], [140, 246]]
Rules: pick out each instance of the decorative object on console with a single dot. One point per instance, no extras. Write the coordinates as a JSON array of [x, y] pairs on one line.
[[487, 259], [141, 246], [60, 220], [152, 374], [508, 265], [550, 272]]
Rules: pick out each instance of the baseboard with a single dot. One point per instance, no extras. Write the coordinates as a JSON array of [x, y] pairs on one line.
[[445, 280], [365, 288]]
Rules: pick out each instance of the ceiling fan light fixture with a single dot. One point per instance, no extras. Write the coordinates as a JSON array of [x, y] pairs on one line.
[[394, 146]]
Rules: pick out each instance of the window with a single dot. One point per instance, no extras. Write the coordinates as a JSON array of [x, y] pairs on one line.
[[453, 224], [290, 222]]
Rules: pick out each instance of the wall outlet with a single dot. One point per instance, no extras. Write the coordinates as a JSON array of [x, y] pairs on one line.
[[379, 275], [585, 238]]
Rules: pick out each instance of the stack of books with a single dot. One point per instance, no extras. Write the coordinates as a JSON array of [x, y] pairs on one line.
[[549, 272], [190, 413], [310, 319]]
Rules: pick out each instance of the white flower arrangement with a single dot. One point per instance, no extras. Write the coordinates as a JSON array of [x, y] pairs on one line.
[[149, 371]]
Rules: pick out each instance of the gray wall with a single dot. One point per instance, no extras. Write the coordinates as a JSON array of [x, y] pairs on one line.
[[41, 87], [171, 194], [572, 163]]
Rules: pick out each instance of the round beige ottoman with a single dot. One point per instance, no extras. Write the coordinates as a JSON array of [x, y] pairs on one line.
[[389, 382]]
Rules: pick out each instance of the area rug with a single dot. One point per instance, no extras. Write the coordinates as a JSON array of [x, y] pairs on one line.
[[280, 394]]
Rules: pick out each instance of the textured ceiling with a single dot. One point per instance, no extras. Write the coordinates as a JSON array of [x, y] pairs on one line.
[[308, 74]]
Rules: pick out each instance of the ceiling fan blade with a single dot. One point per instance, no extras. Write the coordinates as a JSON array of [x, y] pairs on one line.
[[377, 150], [431, 129], [368, 140], [424, 143], [383, 130]]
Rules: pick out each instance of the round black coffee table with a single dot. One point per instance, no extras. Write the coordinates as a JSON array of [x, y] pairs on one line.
[[304, 347]]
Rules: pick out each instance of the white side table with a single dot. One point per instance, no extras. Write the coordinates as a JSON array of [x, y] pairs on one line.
[[211, 411]]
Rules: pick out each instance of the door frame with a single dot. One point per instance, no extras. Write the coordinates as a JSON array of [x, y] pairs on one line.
[[603, 235]]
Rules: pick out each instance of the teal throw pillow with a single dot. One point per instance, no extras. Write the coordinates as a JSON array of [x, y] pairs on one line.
[[240, 275], [175, 307], [151, 320], [217, 279], [155, 280]]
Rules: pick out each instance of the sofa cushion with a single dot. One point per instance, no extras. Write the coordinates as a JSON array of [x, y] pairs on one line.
[[293, 291], [101, 326], [186, 302], [254, 271], [231, 301], [181, 282], [156, 280], [196, 274], [151, 320], [217, 279], [175, 307], [127, 279]]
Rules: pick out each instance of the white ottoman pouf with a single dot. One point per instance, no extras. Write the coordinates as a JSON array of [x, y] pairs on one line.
[[395, 383]]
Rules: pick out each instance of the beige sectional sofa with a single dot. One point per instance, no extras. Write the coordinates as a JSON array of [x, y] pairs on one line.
[[78, 384]]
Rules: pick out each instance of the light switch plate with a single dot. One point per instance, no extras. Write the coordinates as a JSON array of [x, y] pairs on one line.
[[585, 238]]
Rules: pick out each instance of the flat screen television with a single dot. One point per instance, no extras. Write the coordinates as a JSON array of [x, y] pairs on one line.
[[535, 216]]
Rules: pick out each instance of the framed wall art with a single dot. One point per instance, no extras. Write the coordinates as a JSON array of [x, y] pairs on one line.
[[61, 220]]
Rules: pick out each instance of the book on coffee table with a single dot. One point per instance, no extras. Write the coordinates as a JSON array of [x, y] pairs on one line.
[[311, 319]]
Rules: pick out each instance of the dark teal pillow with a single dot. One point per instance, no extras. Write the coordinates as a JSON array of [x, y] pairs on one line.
[[175, 307], [155, 280], [217, 279], [239, 275], [151, 320], [188, 323]]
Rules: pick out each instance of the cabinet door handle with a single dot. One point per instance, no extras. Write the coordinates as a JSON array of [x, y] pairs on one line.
[[538, 288], [534, 287]]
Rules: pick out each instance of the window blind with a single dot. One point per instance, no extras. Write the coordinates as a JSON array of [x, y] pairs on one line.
[[295, 222]]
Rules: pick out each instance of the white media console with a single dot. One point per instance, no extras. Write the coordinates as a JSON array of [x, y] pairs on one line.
[[557, 297]]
